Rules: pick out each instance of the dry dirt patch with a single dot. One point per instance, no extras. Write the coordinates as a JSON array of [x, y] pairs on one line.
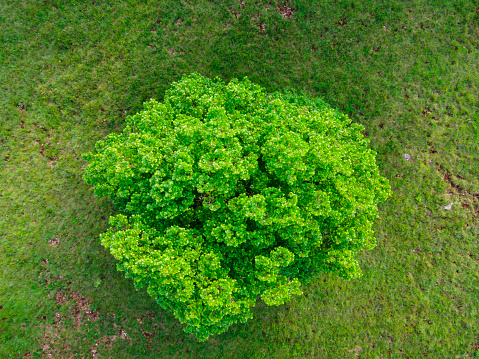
[[56, 338]]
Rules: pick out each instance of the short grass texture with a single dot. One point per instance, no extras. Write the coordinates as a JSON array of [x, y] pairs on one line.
[[70, 72]]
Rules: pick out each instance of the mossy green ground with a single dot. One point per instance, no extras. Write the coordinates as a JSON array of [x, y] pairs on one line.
[[407, 70]]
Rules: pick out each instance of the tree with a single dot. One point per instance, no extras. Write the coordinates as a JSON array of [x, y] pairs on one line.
[[227, 193]]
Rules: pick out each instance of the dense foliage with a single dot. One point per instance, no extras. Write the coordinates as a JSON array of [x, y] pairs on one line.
[[228, 193]]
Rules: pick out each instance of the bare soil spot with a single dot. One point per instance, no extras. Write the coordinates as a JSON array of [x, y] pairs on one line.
[[60, 298], [356, 351], [53, 346], [44, 129], [42, 147], [50, 163], [466, 198], [447, 177], [54, 342], [148, 335], [426, 111], [236, 14], [107, 342], [286, 11], [82, 305]]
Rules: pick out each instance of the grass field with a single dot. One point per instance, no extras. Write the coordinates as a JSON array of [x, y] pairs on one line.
[[408, 71]]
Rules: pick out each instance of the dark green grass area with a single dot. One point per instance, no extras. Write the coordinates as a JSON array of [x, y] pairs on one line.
[[70, 72]]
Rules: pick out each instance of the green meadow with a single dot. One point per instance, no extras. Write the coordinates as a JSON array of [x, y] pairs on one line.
[[408, 71]]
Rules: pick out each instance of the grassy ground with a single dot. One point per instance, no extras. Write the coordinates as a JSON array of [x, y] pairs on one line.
[[407, 70]]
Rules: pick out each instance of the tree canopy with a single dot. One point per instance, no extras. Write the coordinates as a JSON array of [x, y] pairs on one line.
[[227, 193]]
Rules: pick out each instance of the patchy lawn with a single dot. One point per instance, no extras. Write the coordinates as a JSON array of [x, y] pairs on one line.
[[407, 70]]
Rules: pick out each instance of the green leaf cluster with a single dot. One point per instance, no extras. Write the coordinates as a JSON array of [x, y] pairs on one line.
[[228, 193]]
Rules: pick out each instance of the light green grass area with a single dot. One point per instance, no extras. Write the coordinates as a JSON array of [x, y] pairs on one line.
[[70, 72]]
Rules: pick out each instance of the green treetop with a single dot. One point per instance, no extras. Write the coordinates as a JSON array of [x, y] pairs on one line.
[[227, 193]]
